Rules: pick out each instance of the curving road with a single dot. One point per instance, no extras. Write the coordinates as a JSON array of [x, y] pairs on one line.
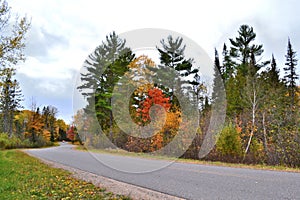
[[190, 181]]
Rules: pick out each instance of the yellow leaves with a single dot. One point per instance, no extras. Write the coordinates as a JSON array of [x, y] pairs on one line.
[[46, 134], [141, 61], [143, 89], [14, 42], [139, 72]]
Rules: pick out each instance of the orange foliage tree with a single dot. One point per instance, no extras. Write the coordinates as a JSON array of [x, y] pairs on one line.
[[71, 134], [155, 97]]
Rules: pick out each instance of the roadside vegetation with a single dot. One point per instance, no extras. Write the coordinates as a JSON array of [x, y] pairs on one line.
[[25, 177], [261, 97], [121, 152]]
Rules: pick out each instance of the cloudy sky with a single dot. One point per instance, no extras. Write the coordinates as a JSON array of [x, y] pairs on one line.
[[65, 32]]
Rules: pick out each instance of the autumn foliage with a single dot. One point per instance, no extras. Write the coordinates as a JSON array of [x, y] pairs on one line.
[[148, 109], [155, 97], [71, 133]]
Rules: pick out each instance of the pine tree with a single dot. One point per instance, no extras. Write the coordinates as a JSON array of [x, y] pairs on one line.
[[273, 71], [242, 47], [227, 69], [12, 44], [172, 56], [104, 68], [272, 112], [218, 84], [10, 99], [200, 91], [291, 76], [52, 119]]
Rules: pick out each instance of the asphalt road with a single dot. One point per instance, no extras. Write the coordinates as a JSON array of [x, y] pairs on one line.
[[190, 181]]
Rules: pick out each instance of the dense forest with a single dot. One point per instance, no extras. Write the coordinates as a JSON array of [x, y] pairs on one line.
[[21, 128], [261, 100]]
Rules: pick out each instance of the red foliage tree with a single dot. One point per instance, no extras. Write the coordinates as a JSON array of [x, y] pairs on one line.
[[71, 134], [155, 97]]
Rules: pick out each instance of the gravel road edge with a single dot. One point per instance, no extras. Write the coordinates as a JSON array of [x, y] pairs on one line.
[[111, 185]]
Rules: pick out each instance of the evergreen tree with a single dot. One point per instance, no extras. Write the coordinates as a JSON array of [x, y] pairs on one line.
[[46, 116], [291, 76], [105, 66], [227, 69], [12, 44], [52, 119], [242, 47], [10, 99], [272, 112], [218, 85], [274, 72], [172, 56], [200, 91]]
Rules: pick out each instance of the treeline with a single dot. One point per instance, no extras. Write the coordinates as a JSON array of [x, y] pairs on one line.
[[34, 128], [113, 60], [21, 128], [262, 121], [261, 124]]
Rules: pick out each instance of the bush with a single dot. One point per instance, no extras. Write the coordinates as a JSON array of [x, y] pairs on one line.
[[13, 142], [229, 142], [9, 143], [4, 141]]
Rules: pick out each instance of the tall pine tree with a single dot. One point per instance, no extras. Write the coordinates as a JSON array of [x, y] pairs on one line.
[[243, 47], [227, 69], [218, 85], [105, 66], [10, 98], [172, 56], [291, 76]]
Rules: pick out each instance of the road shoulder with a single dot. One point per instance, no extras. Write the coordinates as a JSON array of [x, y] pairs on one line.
[[111, 185]]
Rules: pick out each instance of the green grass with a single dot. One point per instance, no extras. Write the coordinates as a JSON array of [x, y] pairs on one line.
[[25, 177], [182, 160]]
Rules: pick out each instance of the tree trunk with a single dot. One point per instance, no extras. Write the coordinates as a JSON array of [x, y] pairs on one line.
[[111, 127], [265, 142], [253, 122]]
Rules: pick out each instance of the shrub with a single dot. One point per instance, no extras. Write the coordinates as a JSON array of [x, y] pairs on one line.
[[4, 140], [13, 142], [229, 142], [9, 142]]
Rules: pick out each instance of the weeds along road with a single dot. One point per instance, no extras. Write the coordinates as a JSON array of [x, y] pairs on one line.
[[185, 180]]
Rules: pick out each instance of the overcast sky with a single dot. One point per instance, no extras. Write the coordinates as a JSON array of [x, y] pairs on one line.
[[65, 32]]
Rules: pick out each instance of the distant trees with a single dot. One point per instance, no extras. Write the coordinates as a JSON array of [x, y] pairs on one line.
[[73, 136]]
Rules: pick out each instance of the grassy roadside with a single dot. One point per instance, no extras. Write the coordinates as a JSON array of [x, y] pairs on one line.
[[25, 177], [181, 160]]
